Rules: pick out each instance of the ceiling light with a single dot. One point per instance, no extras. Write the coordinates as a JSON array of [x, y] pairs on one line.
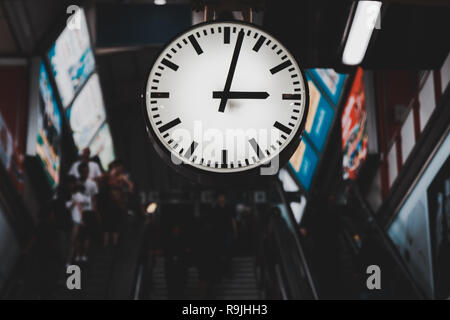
[[364, 21], [160, 2]]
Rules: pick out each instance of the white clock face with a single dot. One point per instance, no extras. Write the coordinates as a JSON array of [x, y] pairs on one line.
[[225, 97]]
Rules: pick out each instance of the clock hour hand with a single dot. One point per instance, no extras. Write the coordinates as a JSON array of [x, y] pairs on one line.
[[240, 95], [226, 90]]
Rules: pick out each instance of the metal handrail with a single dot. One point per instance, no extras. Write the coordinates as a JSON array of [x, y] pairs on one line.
[[298, 244]]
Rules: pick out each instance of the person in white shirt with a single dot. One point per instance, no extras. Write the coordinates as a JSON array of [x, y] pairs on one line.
[[75, 205], [90, 214], [95, 172]]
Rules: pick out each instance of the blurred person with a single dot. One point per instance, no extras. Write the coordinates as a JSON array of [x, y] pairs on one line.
[[75, 205], [96, 159], [63, 218], [95, 171], [117, 185], [227, 230], [91, 219]]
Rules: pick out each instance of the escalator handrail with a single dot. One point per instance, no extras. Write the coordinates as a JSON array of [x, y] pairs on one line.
[[298, 244]]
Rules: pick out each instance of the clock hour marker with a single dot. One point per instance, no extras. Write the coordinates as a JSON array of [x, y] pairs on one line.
[[282, 127], [195, 44], [280, 67], [256, 148], [259, 43], [169, 64], [224, 159], [156, 95], [169, 125], [191, 149], [226, 35], [289, 96]]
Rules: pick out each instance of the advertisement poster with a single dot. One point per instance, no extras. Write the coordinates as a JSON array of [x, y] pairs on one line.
[[354, 129], [304, 163], [72, 59], [439, 210], [49, 130], [420, 231], [87, 113], [320, 117], [331, 82], [102, 146], [410, 234]]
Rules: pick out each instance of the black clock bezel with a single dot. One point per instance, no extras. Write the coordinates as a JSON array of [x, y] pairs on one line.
[[210, 178]]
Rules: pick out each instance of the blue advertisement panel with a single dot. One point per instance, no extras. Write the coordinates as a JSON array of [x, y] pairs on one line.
[[324, 85], [320, 117], [72, 59], [48, 147], [304, 163], [330, 81]]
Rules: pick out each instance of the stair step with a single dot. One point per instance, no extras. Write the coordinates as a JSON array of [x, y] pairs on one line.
[[242, 284]]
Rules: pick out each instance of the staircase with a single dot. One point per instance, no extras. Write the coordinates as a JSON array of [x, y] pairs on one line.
[[241, 285]]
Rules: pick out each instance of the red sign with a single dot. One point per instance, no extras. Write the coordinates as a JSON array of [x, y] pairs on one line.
[[354, 129]]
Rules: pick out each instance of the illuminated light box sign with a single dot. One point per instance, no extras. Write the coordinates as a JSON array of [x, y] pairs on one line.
[[49, 130], [320, 117], [325, 90], [354, 129], [304, 164], [87, 113], [72, 59], [331, 82], [102, 146]]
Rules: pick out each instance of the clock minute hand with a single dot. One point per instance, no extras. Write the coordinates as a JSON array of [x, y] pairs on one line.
[[226, 90], [240, 95]]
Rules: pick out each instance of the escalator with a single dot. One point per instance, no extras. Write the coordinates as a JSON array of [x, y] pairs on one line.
[[110, 272], [242, 285], [274, 267]]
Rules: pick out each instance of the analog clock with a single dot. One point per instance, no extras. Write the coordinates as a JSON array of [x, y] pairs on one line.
[[223, 100]]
